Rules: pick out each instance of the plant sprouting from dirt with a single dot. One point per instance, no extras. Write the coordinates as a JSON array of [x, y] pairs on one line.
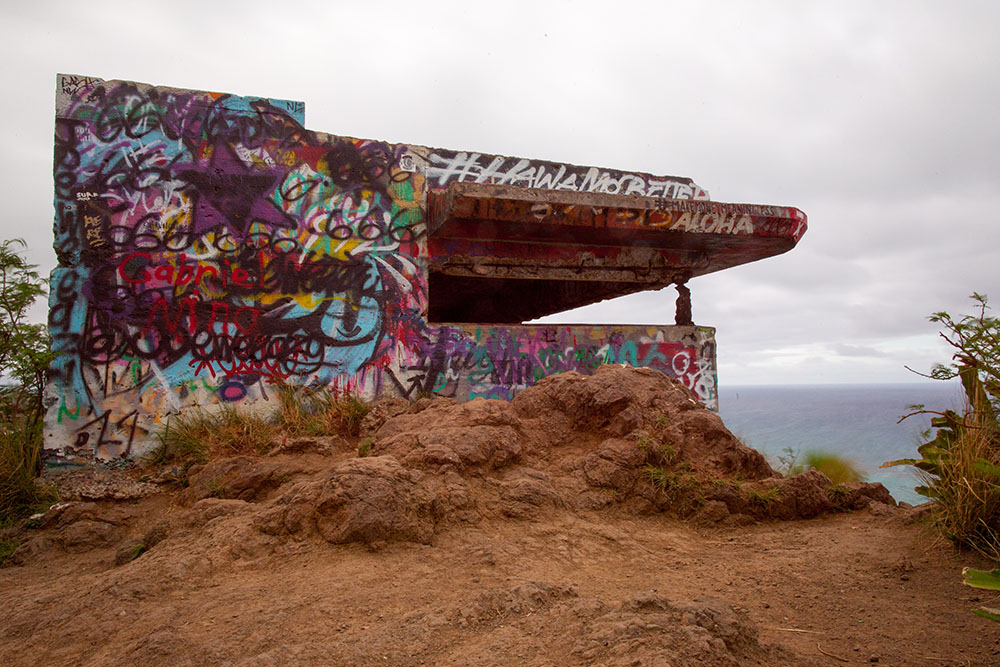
[[786, 461], [8, 545], [180, 441], [657, 453], [659, 478], [216, 488], [838, 496], [350, 411], [672, 484], [762, 498], [365, 447], [136, 550]]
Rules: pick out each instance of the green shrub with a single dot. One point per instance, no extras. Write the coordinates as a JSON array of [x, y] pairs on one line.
[[660, 478], [986, 580], [960, 469], [190, 437], [838, 468], [787, 461], [20, 451], [24, 347], [216, 488], [960, 465], [24, 358], [834, 466], [296, 413], [7, 548]]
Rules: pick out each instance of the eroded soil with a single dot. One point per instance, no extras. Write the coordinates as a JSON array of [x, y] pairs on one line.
[[861, 587], [606, 520]]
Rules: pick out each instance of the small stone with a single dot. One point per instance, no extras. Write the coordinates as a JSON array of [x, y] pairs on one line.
[[129, 551]]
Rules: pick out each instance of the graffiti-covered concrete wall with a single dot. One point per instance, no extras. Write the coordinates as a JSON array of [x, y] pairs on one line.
[[210, 246]]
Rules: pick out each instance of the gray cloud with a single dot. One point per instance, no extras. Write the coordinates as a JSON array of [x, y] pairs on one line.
[[876, 119]]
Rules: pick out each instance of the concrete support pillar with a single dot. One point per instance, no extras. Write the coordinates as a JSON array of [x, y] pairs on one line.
[[682, 317]]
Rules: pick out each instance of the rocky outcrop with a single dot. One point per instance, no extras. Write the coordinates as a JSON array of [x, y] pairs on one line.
[[362, 500], [242, 477], [627, 438]]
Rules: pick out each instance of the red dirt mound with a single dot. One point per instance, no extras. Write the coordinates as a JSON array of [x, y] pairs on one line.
[[255, 560]]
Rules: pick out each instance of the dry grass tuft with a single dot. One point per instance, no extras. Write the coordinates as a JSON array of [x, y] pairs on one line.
[[190, 437], [966, 486], [305, 411], [193, 436]]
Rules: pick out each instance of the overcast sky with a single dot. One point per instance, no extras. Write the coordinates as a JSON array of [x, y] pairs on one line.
[[878, 119]]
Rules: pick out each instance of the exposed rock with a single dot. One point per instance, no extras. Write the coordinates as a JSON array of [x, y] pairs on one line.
[[614, 465], [865, 492], [729, 493], [626, 438], [494, 607], [362, 500], [800, 497], [709, 446], [478, 434], [452, 501], [75, 527], [241, 477], [159, 532], [84, 535], [167, 475], [207, 509], [601, 472], [713, 511], [129, 551], [876, 508], [525, 495], [324, 445], [703, 631], [918, 512], [600, 402], [633, 404], [380, 412]]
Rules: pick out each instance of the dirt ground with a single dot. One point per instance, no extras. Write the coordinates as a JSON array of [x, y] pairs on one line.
[[601, 520], [853, 588]]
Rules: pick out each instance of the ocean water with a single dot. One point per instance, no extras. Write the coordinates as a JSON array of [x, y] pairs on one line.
[[857, 422]]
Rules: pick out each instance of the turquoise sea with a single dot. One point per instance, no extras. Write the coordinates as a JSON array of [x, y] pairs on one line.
[[855, 421]]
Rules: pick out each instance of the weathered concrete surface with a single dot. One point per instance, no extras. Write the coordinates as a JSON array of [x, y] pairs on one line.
[[210, 245], [499, 253], [471, 360]]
